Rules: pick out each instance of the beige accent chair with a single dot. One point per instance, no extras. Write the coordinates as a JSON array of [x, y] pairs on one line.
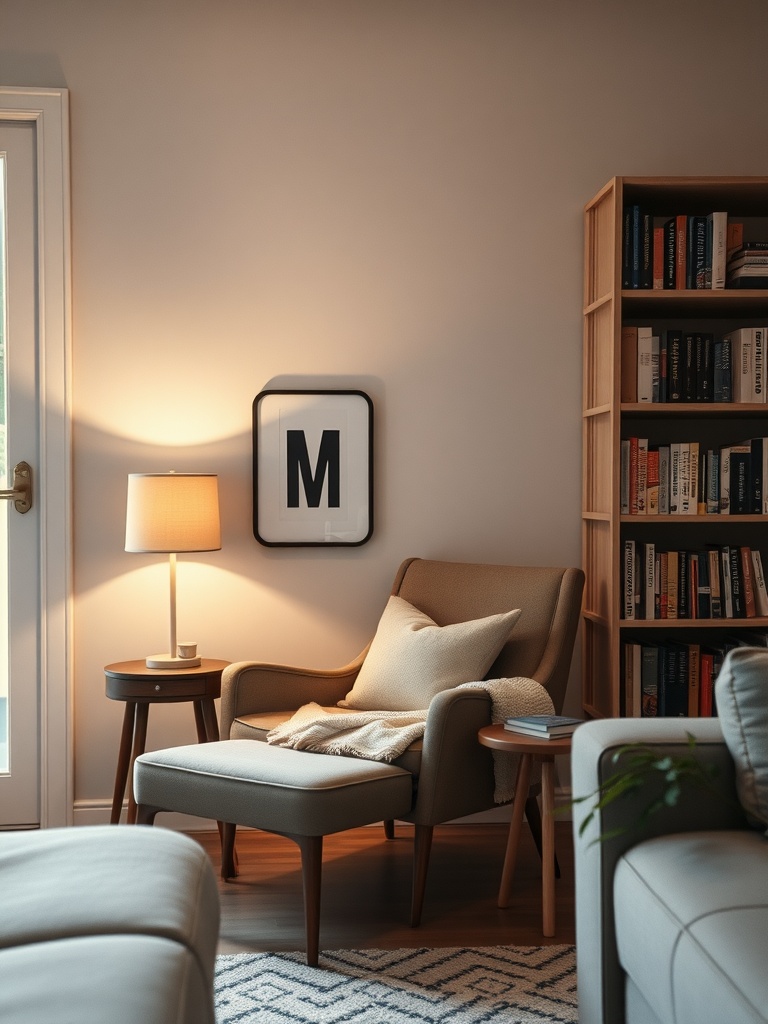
[[453, 774]]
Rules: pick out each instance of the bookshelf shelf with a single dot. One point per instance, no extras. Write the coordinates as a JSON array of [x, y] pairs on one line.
[[608, 688]]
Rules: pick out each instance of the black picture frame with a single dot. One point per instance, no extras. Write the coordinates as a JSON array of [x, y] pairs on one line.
[[312, 468]]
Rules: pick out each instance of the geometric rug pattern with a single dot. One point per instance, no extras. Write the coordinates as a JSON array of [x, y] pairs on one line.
[[484, 985]]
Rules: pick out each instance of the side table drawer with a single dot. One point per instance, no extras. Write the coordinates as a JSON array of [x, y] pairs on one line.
[[155, 689]]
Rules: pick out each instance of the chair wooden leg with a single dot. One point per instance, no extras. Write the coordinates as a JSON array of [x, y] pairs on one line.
[[389, 829], [533, 814], [311, 870], [228, 862], [422, 846]]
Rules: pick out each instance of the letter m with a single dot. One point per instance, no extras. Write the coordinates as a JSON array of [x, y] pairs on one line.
[[328, 461]]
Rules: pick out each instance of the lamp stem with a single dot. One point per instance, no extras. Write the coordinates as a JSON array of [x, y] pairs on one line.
[[172, 568]]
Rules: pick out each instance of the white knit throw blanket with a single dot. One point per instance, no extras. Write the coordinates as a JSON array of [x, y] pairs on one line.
[[385, 735]]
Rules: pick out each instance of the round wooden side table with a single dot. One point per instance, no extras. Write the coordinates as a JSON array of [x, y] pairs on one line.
[[139, 686], [529, 747]]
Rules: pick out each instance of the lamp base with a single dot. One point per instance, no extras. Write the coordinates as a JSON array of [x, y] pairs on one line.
[[168, 661]]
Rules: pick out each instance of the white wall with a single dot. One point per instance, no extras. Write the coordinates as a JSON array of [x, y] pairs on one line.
[[383, 194]]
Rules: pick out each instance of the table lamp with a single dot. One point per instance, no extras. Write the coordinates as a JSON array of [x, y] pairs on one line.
[[172, 513]]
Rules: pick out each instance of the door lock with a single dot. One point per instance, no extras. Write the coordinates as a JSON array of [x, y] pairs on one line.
[[21, 492]]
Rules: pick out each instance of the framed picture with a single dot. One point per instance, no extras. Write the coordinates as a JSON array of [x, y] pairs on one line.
[[312, 468]]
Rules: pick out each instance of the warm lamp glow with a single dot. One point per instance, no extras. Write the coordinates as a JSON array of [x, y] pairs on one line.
[[168, 513], [172, 512]]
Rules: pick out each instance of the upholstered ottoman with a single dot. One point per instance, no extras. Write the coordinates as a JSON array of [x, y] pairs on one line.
[[298, 794], [106, 924]]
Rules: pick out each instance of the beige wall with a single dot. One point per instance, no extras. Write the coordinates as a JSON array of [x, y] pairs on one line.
[[383, 194]]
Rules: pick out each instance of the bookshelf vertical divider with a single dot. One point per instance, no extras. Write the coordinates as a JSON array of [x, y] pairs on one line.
[[605, 420]]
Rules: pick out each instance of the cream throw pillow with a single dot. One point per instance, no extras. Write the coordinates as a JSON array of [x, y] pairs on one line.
[[411, 658]]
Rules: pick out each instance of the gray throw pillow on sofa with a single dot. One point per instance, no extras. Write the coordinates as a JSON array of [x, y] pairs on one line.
[[741, 692]]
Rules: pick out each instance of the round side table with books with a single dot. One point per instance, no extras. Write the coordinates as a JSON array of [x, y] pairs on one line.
[[544, 750]]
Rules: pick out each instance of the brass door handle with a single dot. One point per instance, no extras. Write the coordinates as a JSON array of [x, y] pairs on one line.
[[21, 492]]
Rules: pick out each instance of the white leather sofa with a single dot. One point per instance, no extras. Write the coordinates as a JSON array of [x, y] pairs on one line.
[[106, 923]]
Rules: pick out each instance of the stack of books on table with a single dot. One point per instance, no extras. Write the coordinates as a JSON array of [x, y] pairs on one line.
[[543, 727]]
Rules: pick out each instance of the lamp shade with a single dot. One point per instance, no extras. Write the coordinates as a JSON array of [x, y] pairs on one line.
[[172, 512]]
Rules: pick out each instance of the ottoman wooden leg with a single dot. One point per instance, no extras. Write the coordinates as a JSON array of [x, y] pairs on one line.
[[311, 869]]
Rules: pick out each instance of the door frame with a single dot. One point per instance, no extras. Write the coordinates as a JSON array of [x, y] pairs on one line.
[[48, 112]]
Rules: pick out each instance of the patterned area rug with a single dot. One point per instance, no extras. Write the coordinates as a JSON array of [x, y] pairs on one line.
[[490, 984]]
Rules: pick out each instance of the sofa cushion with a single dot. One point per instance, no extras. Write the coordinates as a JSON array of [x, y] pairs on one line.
[[120, 979], [65, 882], [411, 658], [691, 914], [741, 693]]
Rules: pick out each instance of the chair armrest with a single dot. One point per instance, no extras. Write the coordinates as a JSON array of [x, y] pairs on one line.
[[250, 687], [601, 983], [456, 776]]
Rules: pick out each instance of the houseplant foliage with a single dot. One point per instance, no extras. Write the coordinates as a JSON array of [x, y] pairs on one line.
[[642, 767]]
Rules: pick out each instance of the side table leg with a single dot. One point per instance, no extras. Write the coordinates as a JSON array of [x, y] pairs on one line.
[[522, 786], [123, 761], [209, 719], [139, 742], [548, 845]]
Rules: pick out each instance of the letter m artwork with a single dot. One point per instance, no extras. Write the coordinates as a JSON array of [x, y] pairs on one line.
[[299, 469]]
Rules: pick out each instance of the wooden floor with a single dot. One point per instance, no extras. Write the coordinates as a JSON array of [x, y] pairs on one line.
[[366, 891]]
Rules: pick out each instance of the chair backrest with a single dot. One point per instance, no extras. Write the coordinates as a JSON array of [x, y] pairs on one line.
[[541, 644]]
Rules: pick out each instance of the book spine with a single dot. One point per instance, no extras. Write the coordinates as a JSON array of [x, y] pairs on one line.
[[725, 579], [652, 488], [689, 367], [684, 504], [758, 364], [713, 482], [664, 479], [699, 252], [739, 499], [670, 253], [719, 231], [633, 476], [694, 676], [758, 577], [658, 257], [642, 476], [694, 473], [681, 250], [737, 593], [626, 251], [748, 584], [716, 607], [674, 366], [624, 480], [629, 579], [628, 363], [673, 565], [705, 376], [644, 364], [649, 611], [756, 446], [646, 251], [674, 479], [636, 245]]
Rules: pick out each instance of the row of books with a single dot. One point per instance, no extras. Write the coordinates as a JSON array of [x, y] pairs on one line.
[[684, 251], [688, 251], [714, 583], [671, 679], [681, 365], [684, 478]]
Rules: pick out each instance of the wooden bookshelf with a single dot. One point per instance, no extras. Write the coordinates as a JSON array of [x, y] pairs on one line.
[[606, 420]]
